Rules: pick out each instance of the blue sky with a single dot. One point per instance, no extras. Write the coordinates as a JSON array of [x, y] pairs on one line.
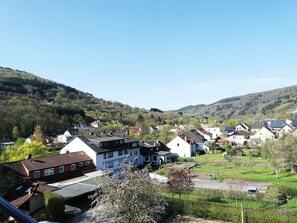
[[154, 53]]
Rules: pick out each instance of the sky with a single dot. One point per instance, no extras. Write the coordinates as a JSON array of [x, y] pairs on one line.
[[165, 54]]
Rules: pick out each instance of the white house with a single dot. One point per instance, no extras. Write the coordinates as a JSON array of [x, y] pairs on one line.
[[242, 127], [186, 144], [214, 131], [107, 151], [262, 136], [238, 137], [285, 130]]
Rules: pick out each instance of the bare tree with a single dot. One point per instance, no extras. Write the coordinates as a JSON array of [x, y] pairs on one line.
[[128, 197], [236, 188]]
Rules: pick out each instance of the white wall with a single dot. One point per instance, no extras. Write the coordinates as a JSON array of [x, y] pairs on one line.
[[180, 147], [77, 145]]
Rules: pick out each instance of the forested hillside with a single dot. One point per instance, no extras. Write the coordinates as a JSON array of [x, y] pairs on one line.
[[27, 100], [269, 104]]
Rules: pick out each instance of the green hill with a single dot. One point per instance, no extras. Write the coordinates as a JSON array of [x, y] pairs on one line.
[[269, 104], [27, 100]]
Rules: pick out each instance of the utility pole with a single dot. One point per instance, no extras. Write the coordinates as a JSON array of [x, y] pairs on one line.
[[242, 217]]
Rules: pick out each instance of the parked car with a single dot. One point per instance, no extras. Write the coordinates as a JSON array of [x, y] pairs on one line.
[[252, 191]]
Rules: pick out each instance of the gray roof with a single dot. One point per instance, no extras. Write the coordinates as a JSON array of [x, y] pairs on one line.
[[257, 125], [193, 134], [94, 141]]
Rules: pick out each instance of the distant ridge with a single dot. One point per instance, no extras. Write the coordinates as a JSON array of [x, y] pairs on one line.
[[255, 106]]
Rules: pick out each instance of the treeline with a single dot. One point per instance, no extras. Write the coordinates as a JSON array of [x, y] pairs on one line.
[[19, 116]]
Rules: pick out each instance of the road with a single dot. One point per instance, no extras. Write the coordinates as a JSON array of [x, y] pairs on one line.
[[216, 185]]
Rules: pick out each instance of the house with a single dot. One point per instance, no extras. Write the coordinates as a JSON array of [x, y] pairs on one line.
[[227, 130], [239, 137], [97, 124], [242, 127], [205, 134], [214, 131], [262, 136], [255, 127], [187, 144], [29, 198], [276, 125], [68, 135], [5, 143], [285, 130], [154, 152], [106, 151], [51, 168]]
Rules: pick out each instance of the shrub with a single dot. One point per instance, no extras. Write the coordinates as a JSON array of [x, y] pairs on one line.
[[54, 205]]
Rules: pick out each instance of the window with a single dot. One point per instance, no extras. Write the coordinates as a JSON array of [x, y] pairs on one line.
[[110, 154], [147, 158], [134, 144], [48, 172], [126, 151], [136, 152], [104, 155], [120, 152], [110, 164], [87, 163], [73, 166], [154, 158], [36, 174], [61, 169], [81, 164]]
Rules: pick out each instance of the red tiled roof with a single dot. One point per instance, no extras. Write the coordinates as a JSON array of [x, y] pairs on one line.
[[33, 164]]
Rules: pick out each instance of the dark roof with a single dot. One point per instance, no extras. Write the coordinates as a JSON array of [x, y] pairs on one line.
[[150, 148], [276, 123], [228, 129], [194, 136], [94, 141], [23, 166], [294, 123]]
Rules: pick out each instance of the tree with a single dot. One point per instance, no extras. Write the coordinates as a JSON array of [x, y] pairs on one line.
[[13, 153], [128, 197], [15, 132], [38, 134], [236, 187], [272, 150], [179, 182], [288, 143]]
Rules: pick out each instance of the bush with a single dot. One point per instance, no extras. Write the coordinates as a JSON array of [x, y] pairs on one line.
[[54, 205]]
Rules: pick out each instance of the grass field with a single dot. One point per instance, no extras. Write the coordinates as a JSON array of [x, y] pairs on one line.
[[214, 166]]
